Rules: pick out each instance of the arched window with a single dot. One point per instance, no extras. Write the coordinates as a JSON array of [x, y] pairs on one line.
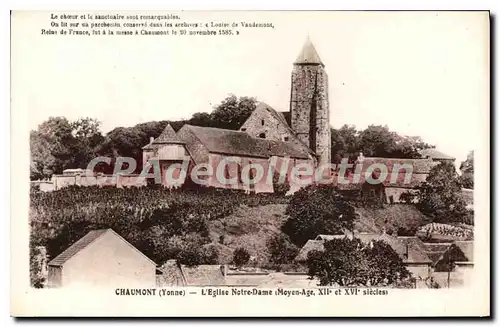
[[262, 122], [262, 135]]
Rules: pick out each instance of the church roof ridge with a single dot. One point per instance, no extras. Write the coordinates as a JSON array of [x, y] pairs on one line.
[[308, 54]]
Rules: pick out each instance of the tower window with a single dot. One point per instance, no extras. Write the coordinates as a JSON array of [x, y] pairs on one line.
[[286, 138], [262, 122], [262, 135]]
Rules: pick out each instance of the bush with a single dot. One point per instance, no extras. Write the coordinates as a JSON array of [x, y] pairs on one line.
[[317, 210], [241, 257], [346, 262], [282, 250], [280, 189]]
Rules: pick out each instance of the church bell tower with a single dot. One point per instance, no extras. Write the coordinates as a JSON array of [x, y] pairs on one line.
[[309, 110]]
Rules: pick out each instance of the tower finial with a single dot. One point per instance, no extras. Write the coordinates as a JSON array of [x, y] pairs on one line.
[[308, 54]]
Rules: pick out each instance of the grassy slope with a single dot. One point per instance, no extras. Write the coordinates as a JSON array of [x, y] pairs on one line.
[[251, 227], [248, 227]]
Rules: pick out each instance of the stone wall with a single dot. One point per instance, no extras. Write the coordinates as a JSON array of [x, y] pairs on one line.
[[129, 180], [262, 122], [310, 116]]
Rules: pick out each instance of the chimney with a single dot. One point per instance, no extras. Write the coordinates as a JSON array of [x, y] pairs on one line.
[[151, 139]]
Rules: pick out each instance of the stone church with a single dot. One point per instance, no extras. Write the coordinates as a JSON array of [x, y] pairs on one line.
[[300, 135]]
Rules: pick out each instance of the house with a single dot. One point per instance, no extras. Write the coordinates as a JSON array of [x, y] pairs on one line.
[[403, 176], [410, 249], [454, 268], [436, 155], [101, 258], [459, 253]]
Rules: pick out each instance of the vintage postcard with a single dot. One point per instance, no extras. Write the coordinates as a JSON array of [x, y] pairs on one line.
[[250, 163]]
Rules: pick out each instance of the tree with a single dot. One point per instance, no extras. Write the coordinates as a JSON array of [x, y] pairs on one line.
[[349, 262], [374, 141], [467, 170], [58, 144], [241, 257], [379, 141], [232, 112], [282, 250], [345, 143], [317, 210], [439, 197], [52, 147]]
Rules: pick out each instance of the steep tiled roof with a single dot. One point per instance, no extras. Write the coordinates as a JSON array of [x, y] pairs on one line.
[[435, 154], [168, 136], [308, 54], [203, 275], [79, 245], [231, 142]]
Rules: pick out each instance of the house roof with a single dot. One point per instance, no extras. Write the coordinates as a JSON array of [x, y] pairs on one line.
[[467, 247], [410, 249], [324, 237], [435, 154], [308, 54], [311, 245], [79, 245], [203, 275], [85, 241], [168, 136], [416, 167], [231, 142]]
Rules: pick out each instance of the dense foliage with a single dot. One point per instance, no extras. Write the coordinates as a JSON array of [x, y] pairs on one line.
[[346, 262], [163, 224], [241, 257], [467, 170], [374, 141], [317, 209], [282, 250], [440, 198], [59, 144]]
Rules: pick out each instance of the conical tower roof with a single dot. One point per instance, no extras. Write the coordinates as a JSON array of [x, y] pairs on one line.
[[308, 54], [168, 136]]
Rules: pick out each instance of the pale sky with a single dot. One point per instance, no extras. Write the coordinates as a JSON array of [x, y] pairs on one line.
[[420, 73]]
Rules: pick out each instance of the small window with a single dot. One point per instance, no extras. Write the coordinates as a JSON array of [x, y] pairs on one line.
[[262, 122], [286, 138], [262, 135], [244, 129]]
